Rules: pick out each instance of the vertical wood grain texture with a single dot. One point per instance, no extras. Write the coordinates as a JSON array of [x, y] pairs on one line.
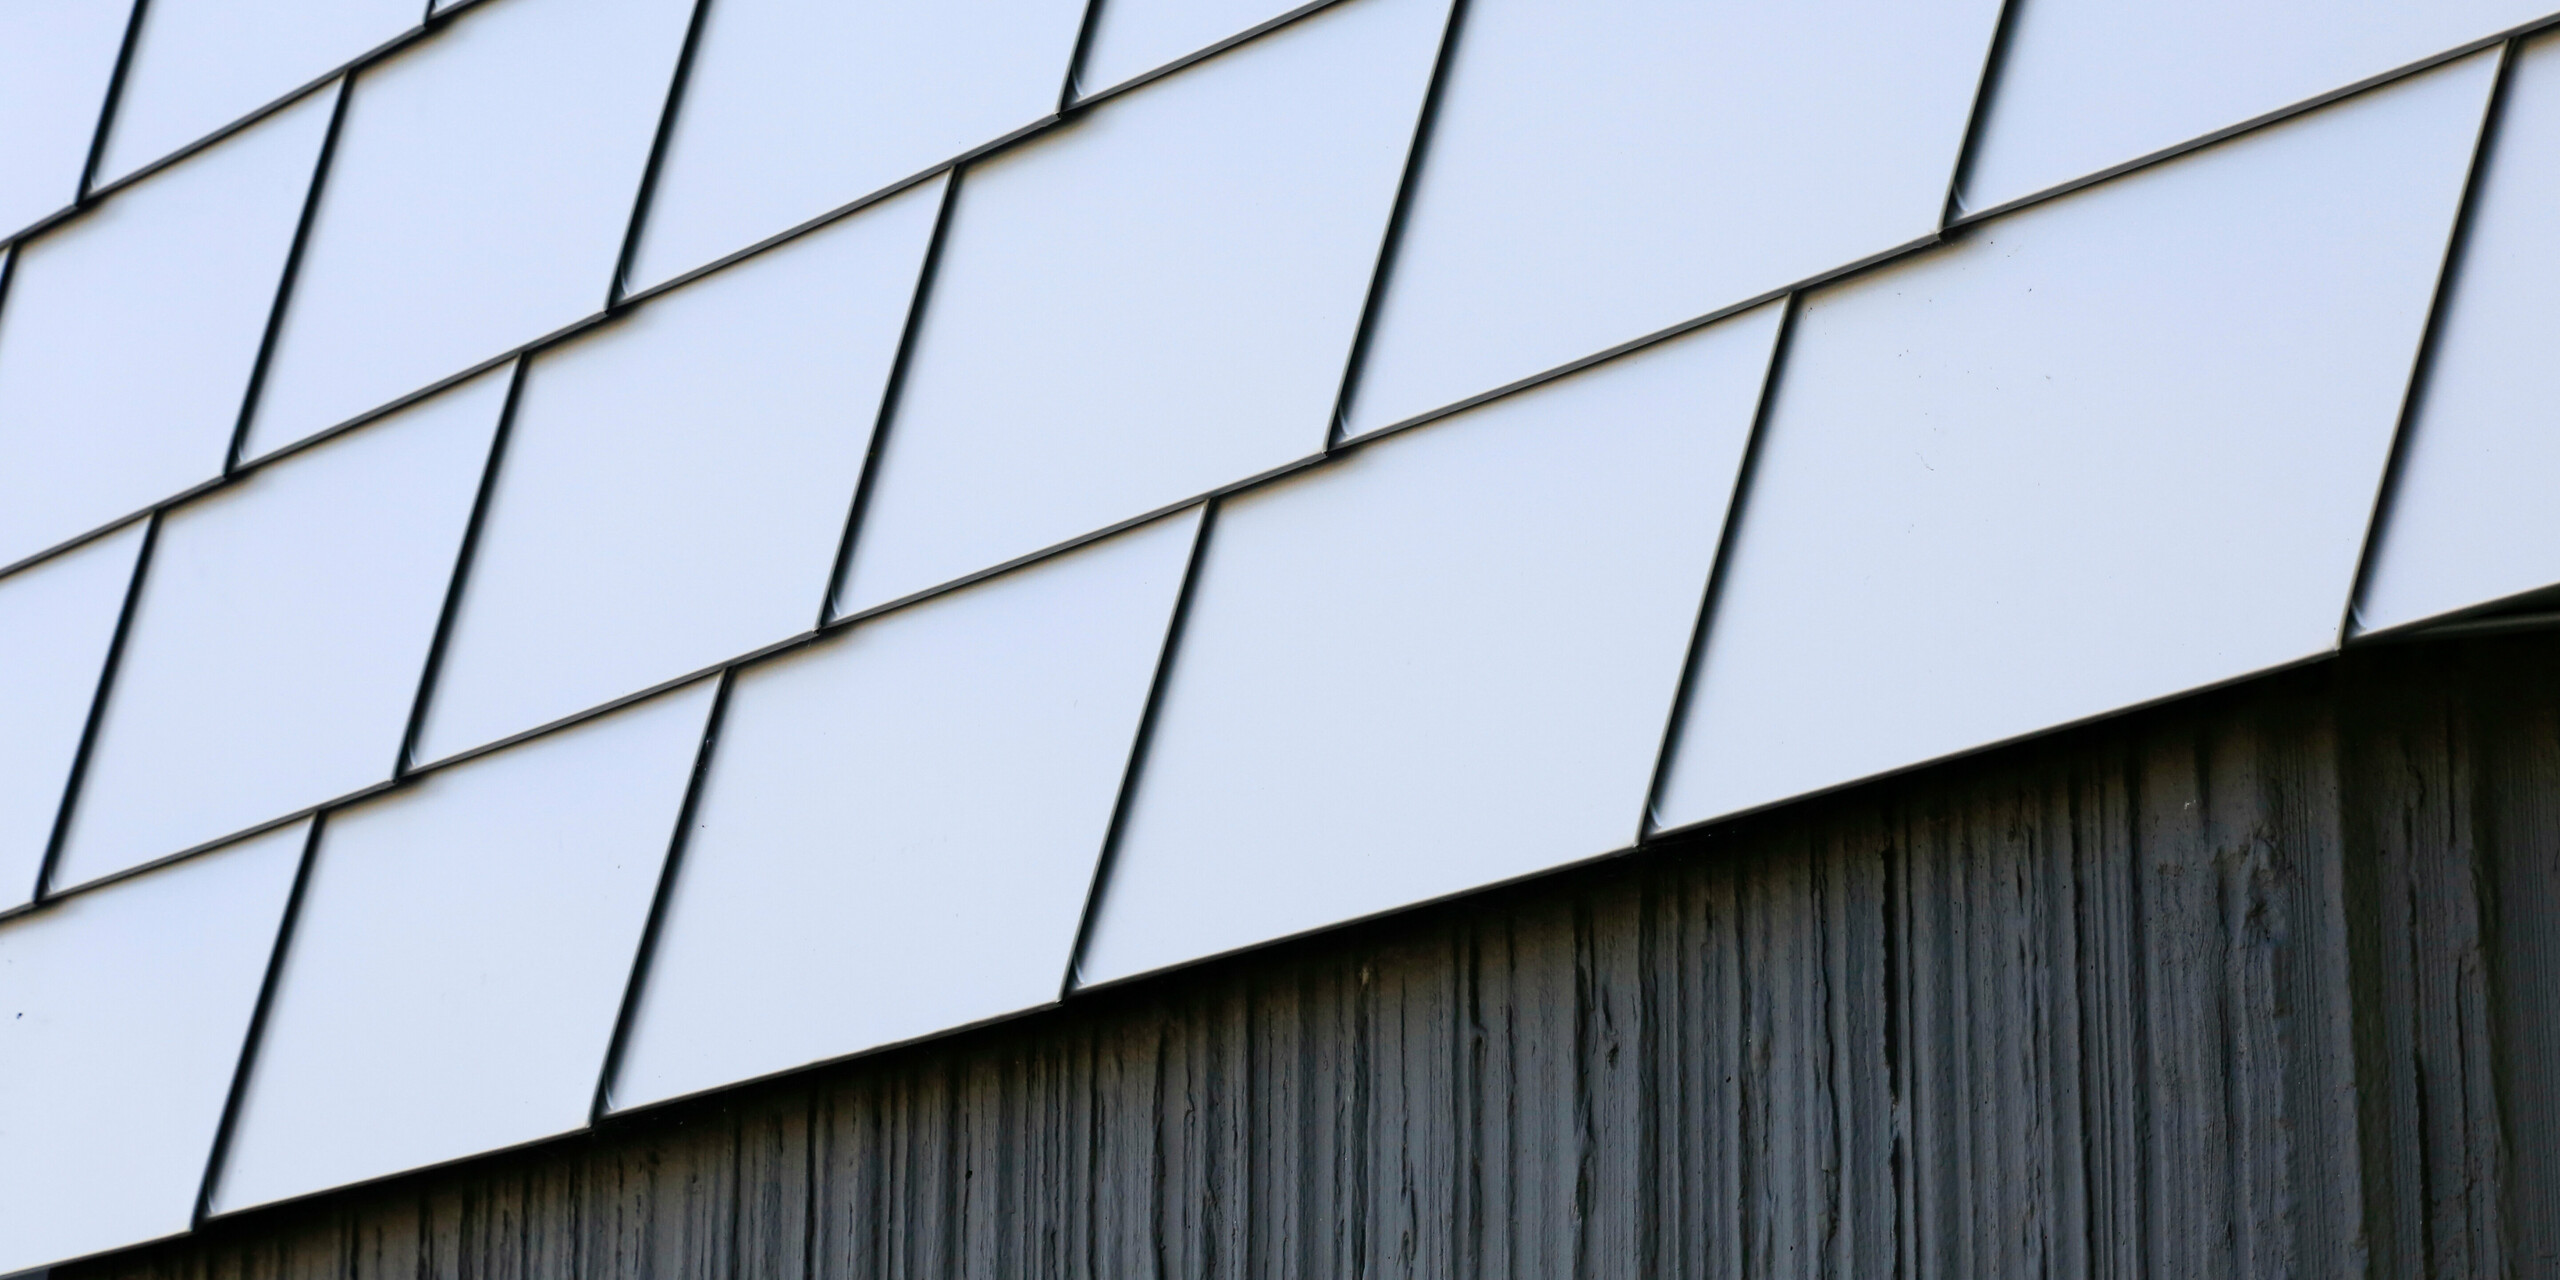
[[2264, 983]]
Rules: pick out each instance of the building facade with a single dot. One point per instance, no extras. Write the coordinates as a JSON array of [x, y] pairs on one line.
[[1403, 637]]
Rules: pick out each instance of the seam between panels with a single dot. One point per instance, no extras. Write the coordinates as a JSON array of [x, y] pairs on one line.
[[251, 118], [247, 1060], [107, 105], [2253, 124], [84, 538], [225, 841], [658, 142], [1199, 55], [411, 399], [97, 712], [2430, 337], [1416, 151], [1139, 742], [1030, 558], [459, 578], [1986, 87], [2054, 730], [1737, 499], [91, 197], [2496, 624], [267, 340], [892, 389], [1833, 275], [839, 212], [646, 948], [9, 256], [1086, 25]]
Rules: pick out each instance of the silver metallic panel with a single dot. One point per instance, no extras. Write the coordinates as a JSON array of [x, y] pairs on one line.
[[1443, 661], [127, 1010], [794, 107], [900, 825], [1599, 172], [56, 57], [1132, 37], [200, 64], [477, 199], [1150, 304], [675, 487], [57, 618], [459, 957], [275, 651], [2473, 516], [2086, 85], [2116, 447], [130, 334]]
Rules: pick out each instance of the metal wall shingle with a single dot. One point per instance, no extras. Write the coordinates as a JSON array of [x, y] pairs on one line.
[[2114, 448]]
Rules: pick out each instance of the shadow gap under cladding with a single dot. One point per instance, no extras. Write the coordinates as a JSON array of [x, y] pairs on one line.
[[1018, 355]]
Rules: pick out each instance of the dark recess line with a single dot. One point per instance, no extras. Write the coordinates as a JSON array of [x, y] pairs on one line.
[[1338, 423], [1138, 744], [2496, 624], [255, 116], [248, 1059], [1718, 569], [632, 987], [1199, 55], [1085, 27], [2422, 364], [640, 200], [1985, 88], [1024, 561], [1833, 275], [265, 359], [461, 576], [810, 226], [107, 106], [97, 709], [890, 393], [8, 271], [2253, 124]]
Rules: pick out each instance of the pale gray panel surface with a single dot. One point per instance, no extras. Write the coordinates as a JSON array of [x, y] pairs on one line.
[[795, 107], [1135, 36], [900, 825], [1443, 661], [477, 200], [130, 334], [56, 57], [2113, 448], [1152, 304], [200, 64], [675, 487], [459, 957], [2473, 515], [276, 648], [2089, 84], [1599, 172], [56, 620], [127, 1009]]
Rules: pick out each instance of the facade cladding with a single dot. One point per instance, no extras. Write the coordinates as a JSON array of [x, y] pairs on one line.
[[560, 557]]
